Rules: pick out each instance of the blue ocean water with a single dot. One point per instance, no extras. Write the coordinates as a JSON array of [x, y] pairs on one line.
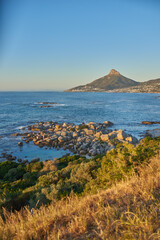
[[125, 110]]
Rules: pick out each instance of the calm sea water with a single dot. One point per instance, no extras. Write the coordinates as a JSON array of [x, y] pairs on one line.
[[125, 110]]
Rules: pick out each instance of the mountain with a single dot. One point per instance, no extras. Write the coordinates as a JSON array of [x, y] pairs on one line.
[[114, 80], [151, 86]]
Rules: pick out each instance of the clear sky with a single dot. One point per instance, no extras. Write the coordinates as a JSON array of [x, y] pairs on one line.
[[58, 44]]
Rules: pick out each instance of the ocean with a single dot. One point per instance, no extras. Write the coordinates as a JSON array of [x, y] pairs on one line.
[[20, 109]]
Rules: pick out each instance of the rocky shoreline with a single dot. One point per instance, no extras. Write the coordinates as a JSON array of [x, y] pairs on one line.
[[87, 140], [84, 139]]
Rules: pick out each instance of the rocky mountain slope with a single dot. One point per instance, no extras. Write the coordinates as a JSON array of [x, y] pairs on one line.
[[151, 86], [115, 82]]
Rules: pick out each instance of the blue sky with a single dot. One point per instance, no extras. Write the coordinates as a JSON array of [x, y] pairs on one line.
[[58, 44]]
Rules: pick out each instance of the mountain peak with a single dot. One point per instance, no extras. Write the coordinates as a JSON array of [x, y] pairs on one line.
[[114, 80], [114, 72]]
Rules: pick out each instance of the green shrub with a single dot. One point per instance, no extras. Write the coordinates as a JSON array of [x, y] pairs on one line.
[[11, 175], [15, 173], [5, 167], [80, 175], [32, 176], [48, 179], [63, 162], [34, 167]]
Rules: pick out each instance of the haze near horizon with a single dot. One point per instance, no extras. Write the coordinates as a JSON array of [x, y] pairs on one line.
[[56, 45]]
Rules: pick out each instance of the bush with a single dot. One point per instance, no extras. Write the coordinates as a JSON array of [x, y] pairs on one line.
[[34, 167], [15, 173], [63, 162], [5, 167], [73, 174]]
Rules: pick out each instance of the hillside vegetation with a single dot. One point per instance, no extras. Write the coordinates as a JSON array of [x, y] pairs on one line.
[[115, 196]]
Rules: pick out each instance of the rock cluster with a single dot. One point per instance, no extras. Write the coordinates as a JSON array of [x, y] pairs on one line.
[[9, 157], [153, 133], [150, 122], [84, 139], [47, 104]]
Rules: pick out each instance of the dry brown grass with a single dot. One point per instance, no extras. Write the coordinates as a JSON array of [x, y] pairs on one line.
[[129, 210]]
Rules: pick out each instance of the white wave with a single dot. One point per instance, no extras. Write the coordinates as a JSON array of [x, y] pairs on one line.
[[4, 138], [60, 104], [4, 115], [4, 104], [46, 103], [50, 104], [20, 127]]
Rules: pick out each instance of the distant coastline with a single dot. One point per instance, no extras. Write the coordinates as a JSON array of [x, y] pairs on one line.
[[115, 82]]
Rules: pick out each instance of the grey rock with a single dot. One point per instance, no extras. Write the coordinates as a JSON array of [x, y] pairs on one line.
[[75, 134], [153, 133], [107, 123], [35, 160], [20, 144]]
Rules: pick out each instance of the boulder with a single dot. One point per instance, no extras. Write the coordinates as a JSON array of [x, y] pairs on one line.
[[92, 123], [121, 135], [79, 139], [107, 123], [64, 133], [88, 132], [15, 134], [83, 152], [134, 140], [19, 160], [150, 122], [92, 127], [25, 161], [35, 160], [112, 135], [51, 130], [61, 139], [84, 146], [20, 144], [104, 137], [74, 134], [131, 139], [45, 106], [58, 132], [57, 127], [98, 134]]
